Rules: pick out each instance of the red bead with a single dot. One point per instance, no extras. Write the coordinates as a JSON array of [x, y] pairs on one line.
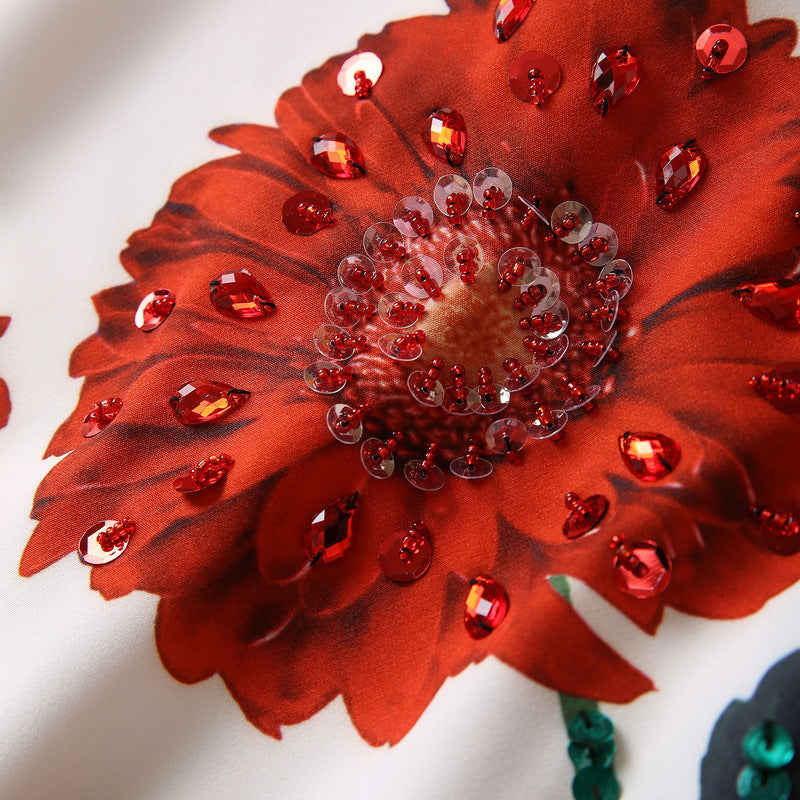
[[485, 608], [534, 77], [614, 76], [533, 213], [405, 313], [584, 514], [331, 532], [100, 417], [337, 156], [679, 171], [205, 401], [239, 295], [721, 49], [306, 212], [776, 302], [649, 456], [106, 541], [209, 471], [358, 74], [780, 531], [508, 16], [641, 569], [445, 135], [406, 555], [781, 386], [154, 309]]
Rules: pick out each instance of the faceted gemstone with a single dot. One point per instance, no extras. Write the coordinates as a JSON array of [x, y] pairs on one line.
[[776, 302], [405, 555], [337, 156], [101, 416], [331, 531], [649, 456], [508, 16], [359, 74], [590, 728], [614, 76], [306, 212], [486, 606], [641, 569], [209, 471], [239, 295], [768, 745], [197, 402], [106, 541], [154, 309], [595, 783], [753, 783], [721, 48], [780, 386], [445, 135], [534, 76], [679, 171]]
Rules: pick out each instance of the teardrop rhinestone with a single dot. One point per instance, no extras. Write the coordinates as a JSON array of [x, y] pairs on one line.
[[209, 471], [776, 302], [239, 295], [780, 386], [306, 212], [154, 309], [205, 401], [337, 156], [649, 456], [534, 76], [105, 542], [445, 135], [486, 606], [100, 417], [614, 76], [331, 532], [679, 171], [508, 16]]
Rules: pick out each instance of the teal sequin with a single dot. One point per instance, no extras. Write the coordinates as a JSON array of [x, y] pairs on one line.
[[768, 746], [595, 783], [590, 728], [592, 755], [756, 784]]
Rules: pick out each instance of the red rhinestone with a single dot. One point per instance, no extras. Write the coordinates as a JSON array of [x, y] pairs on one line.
[[614, 76], [679, 171], [209, 471], [534, 77], [154, 309], [205, 401], [485, 608], [331, 531], [105, 542], [306, 212], [641, 569], [445, 135], [777, 302], [238, 294], [100, 417], [781, 386], [649, 456], [337, 156], [405, 555], [508, 16]]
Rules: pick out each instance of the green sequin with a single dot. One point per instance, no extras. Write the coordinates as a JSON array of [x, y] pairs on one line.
[[590, 727], [755, 784], [592, 755], [595, 783], [768, 746]]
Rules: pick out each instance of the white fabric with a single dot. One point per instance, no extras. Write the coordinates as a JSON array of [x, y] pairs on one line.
[[104, 104]]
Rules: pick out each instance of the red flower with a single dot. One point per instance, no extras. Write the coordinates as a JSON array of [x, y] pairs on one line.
[[228, 562], [5, 400]]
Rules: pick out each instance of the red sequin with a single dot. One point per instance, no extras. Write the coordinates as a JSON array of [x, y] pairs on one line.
[[209, 471], [406, 555], [649, 456], [306, 212], [584, 514]]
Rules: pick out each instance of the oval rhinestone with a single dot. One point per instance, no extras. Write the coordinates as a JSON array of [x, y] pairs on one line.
[[239, 295], [508, 16], [209, 471], [486, 606], [614, 76], [337, 156], [101, 416], [197, 402], [105, 542], [331, 532], [649, 456], [534, 76], [154, 309], [776, 302], [445, 135], [306, 212], [679, 171]]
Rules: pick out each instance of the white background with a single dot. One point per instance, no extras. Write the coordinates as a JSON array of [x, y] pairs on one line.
[[104, 103]]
